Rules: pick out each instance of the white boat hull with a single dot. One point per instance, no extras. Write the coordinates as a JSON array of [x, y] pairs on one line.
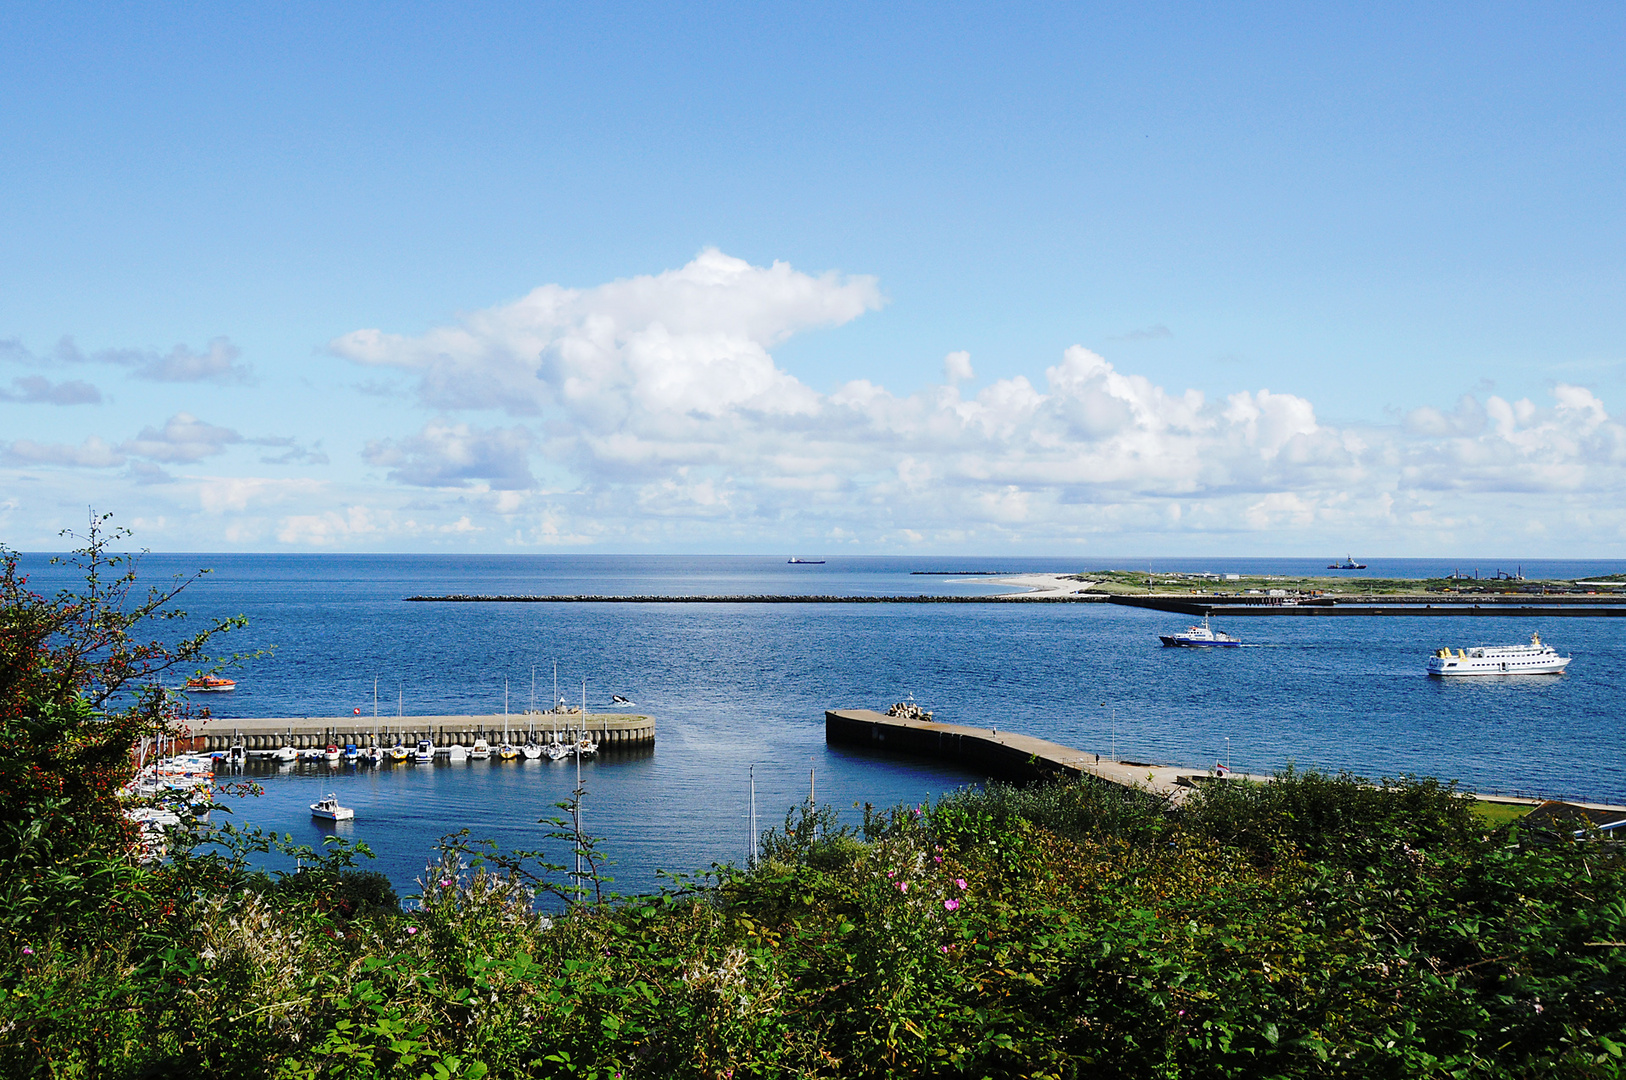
[[1453, 669]]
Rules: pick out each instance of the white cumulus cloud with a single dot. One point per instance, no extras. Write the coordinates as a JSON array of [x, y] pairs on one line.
[[446, 454], [659, 398], [688, 342]]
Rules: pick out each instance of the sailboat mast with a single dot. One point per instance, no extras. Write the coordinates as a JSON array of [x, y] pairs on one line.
[[752, 861], [579, 791]]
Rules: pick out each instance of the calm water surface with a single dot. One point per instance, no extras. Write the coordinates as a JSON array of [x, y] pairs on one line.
[[735, 685]]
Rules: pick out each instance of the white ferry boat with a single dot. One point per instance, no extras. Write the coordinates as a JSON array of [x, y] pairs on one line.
[[1200, 637], [1532, 659]]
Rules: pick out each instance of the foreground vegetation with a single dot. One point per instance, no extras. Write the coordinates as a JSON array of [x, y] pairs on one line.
[[1316, 926]]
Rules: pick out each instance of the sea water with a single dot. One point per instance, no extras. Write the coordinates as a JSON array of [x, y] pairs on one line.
[[732, 686]]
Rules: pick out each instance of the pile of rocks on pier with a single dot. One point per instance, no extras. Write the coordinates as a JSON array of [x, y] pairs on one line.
[[908, 710]]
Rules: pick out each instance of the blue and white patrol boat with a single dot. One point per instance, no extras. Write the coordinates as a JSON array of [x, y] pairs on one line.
[[1200, 637]]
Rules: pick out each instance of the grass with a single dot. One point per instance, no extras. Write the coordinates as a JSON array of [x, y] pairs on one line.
[[1496, 814]]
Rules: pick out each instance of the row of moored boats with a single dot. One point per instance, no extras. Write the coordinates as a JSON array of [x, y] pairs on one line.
[[426, 751]]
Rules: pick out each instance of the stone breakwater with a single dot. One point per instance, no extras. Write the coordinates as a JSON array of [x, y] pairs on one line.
[[761, 598]]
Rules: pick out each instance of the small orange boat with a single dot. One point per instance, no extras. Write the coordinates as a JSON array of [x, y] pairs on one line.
[[206, 684]]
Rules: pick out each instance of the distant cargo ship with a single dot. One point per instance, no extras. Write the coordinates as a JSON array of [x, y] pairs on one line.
[[1347, 564], [794, 561]]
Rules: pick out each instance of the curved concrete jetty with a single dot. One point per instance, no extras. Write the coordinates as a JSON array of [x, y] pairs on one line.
[[1006, 755]]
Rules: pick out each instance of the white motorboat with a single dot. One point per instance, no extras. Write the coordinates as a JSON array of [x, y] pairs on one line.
[[586, 747], [311, 753], [425, 754], [618, 701], [1200, 637], [1535, 658], [285, 754], [457, 752], [352, 752], [152, 827], [328, 809], [481, 750], [331, 753]]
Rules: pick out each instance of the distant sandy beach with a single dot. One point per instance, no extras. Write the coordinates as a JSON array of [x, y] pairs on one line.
[[1042, 584]]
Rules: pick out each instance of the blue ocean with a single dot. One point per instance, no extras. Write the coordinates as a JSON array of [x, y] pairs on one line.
[[732, 686]]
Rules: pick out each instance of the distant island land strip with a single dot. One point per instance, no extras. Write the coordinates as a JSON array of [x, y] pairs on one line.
[[1199, 594]]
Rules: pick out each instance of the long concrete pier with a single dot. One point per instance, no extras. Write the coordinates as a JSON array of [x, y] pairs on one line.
[[1007, 755], [264, 734]]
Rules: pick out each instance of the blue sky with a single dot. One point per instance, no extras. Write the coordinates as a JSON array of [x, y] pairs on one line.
[[1252, 279]]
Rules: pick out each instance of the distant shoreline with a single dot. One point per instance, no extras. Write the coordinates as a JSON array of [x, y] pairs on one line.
[[763, 598]]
